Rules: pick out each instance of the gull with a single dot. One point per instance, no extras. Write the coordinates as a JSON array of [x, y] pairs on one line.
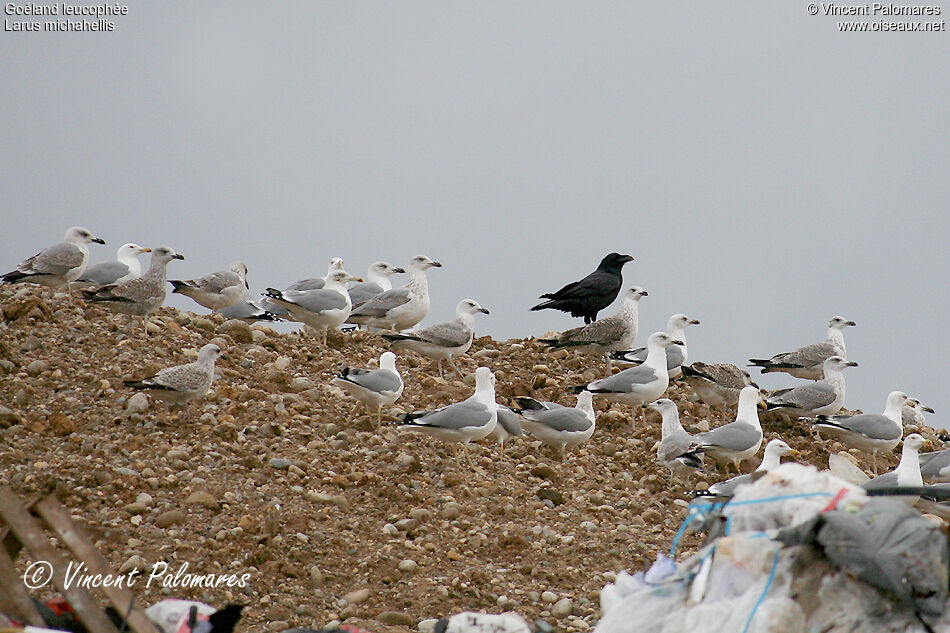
[[868, 432], [935, 467], [215, 291], [676, 355], [559, 426], [774, 451], [462, 422], [593, 293], [443, 341], [321, 309], [183, 383], [509, 425], [806, 362], [311, 283], [376, 282], [57, 265], [373, 388], [125, 267], [638, 385], [606, 335], [675, 443], [717, 384], [824, 397], [737, 440], [247, 310], [402, 308], [140, 296], [913, 412], [907, 474]]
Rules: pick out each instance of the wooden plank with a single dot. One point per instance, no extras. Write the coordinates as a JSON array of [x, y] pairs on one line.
[[14, 598], [76, 539], [31, 534]]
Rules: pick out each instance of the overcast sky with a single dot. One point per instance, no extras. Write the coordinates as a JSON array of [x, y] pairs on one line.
[[765, 170]]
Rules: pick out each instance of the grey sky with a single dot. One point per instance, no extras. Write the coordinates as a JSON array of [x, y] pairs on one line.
[[765, 170]]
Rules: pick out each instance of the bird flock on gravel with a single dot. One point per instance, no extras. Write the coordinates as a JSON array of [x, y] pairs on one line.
[[342, 300]]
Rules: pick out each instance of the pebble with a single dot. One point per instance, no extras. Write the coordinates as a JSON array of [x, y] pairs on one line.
[[278, 625], [562, 608], [395, 618], [548, 596], [138, 403], [357, 596], [408, 566], [36, 367], [428, 625], [169, 518], [390, 529], [202, 498], [279, 463], [450, 511], [237, 330]]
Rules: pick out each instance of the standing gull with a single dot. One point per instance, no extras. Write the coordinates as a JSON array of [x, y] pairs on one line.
[[675, 443], [509, 426], [676, 355], [638, 385], [247, 310], [463, 422], [443, 341], [868, 432], [824, 397], [215, 291], [913, 412], [321, 309], [593, 293], [806, 362], [606, 335], [907, 474], [935, 467], [376, 282], [181, 384], [738, 440], [717, 384], [140, 296], [373, 388], [57, 265], [774, 451], [401, 308], [125, 267], [559, 426], [316, 283]]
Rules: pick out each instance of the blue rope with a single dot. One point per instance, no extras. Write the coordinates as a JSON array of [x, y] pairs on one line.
[[768, 585]]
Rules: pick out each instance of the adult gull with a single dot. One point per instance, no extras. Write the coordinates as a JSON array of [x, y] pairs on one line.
[[675, 443], [56, 265], [807, 362], [593, 293], [868, 432], [183, 383], [509, 426], [376, 282], [373, 388], [738, 440], [676, 355], [774, 451], [824, 397], [321, 309], [125, 267], [215, 291], [559, 426], [443, 341], [907, 474], [399, 308]]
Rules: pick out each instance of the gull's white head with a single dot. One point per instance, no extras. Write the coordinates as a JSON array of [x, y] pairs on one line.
[[485, 380], [81, 235], [751, 395], [680, 321], [240, 269], [837, 363], [130, 250], [421, 262], [383, 269], [914, 441], [779, 448], [839, 322], [663, 405], [637, 293], [387, 360], [917, 404], [662, 339], [336, 263], [897, 399], [341, 277], [585, 400], [469, 306]]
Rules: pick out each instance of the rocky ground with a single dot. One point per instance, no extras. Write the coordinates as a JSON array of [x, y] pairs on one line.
[[275, 475]]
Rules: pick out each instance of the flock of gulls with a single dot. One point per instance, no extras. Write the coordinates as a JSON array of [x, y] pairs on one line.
[[341, 300]]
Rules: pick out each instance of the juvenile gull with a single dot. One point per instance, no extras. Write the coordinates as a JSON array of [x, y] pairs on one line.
[[907, 474], [717, 384], [806, 362], [181, 384], [321, 309], [125, 267], [676, 355], [247, 310], [606, 335], [376, 282], [373, 388], [57, 265], [824, 397], [774, 451], [868, 432], [561, 427], [593, 293], [399, 308], [509, 425], [140, 296], [638, 385], [675, 443], [215, 291], [738, 440], [443, 341], [463, 422], [913, 412]]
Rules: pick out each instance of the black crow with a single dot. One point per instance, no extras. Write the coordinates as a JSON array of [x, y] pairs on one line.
[[593, 293]]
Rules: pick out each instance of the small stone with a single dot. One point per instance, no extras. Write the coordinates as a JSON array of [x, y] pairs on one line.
[[301, 383], [549, 597], [36, 367], [390, 529], [176, 454], [61, 424], [562, 608], [547, 494], [357, 596], [136, 508], [450, 511], [420, 514], [202, 498], [203, 324], [169, 518], [428, 625], [408, 566], [237, 330], [406, 525], [278, 625], [395, 618], [153, 328], [544, 471], [133, 562], [138, 403], [279, 463], [590, 526]]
